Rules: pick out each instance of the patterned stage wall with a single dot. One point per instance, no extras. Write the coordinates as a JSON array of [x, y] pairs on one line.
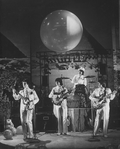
[[70, 69], [67, 70]]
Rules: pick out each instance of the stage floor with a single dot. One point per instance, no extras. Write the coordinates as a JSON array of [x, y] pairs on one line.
[[74, 140]]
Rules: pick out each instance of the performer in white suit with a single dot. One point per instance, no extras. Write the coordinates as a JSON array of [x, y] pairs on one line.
[[103, 112], [26, 107], [60, 111]]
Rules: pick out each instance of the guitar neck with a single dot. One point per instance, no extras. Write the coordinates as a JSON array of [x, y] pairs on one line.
[[65, 93], [25, 98], [104, 98], [58, 100]]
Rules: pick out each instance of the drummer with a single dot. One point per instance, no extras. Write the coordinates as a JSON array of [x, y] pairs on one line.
[[79, 78], [80, 94]]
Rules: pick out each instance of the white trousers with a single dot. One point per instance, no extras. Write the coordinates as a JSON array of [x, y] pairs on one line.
[[102, 114], [26, 121], [61, 114]]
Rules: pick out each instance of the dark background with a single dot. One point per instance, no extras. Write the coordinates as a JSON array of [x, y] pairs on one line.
[[20, 20]]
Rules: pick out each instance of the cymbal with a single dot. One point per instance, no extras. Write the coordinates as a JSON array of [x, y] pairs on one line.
[[92, 82], [65, 78], [89, 76]]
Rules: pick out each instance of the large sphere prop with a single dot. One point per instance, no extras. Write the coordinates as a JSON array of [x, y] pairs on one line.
[[8, 134], [61, 31], [19, 130]]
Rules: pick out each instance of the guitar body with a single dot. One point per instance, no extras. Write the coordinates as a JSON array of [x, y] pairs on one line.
[[98, 104], [26, 101], [29, 103], [57, 99]]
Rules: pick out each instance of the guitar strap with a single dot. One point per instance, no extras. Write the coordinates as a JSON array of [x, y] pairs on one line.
[[26, 93], [103, 95]]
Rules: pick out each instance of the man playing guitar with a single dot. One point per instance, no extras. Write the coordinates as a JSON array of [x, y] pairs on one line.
[[60, 110], [102, 112], [28, 99]]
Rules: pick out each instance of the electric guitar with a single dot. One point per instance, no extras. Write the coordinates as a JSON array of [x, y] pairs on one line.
[[98, 104], [26, 101], [29, 103], [59, 97]]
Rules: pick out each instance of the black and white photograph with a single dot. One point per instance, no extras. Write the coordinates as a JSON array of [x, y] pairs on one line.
[[59, 74]]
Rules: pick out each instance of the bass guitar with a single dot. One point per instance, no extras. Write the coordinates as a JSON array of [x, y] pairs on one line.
[[97, 104], [58, 98]]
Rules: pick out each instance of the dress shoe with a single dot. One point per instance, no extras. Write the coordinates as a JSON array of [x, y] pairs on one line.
[[59, 134], [65, 134], [105, 136], [25, 138]]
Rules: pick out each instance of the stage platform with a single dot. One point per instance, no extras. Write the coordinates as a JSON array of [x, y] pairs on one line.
[[74, 140]]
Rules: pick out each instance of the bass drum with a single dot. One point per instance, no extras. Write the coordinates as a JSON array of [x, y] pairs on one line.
[[80, 88], [81, 95]]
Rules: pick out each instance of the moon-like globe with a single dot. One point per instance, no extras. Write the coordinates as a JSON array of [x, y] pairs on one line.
[[61, 31]]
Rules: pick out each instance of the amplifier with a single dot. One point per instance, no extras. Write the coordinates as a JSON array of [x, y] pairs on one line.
[[46, 122]]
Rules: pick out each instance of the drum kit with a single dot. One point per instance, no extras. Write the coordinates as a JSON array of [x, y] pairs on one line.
[[90, 82], [65, 78], [88, 77]]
